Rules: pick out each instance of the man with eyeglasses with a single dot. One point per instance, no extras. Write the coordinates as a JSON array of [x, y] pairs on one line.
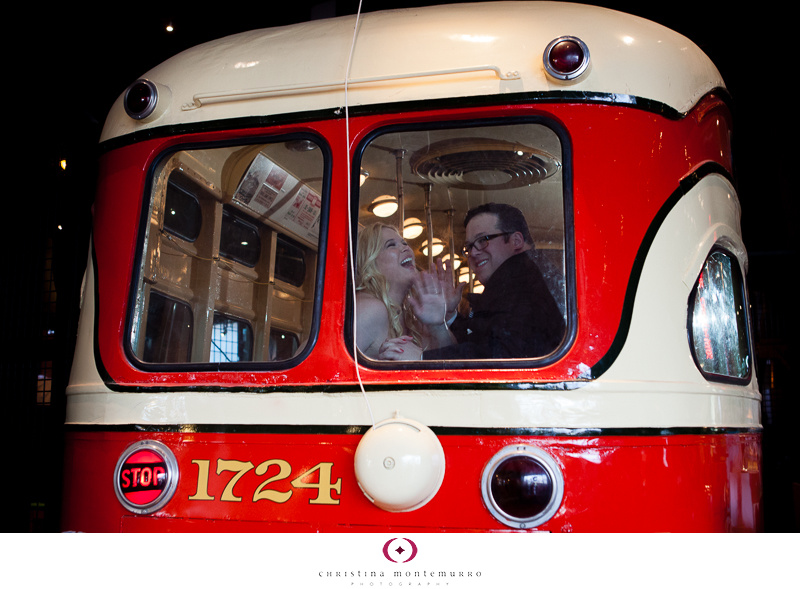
[[515, 316]]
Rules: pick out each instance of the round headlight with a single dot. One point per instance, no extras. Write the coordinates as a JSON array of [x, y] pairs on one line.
[[522, 486]]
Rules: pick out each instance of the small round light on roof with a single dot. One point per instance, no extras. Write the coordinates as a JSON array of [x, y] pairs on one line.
[[566, 58], [140, 99]]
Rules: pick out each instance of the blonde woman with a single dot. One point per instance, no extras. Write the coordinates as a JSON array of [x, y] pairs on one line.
[[385, 275]]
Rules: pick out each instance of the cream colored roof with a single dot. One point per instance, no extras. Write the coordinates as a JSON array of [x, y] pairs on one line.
[[486, 49]]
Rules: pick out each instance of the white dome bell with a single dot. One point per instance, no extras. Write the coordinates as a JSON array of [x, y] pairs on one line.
[[399, 464]]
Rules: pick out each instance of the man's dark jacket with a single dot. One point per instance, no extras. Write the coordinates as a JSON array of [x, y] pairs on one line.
[[514, 317]]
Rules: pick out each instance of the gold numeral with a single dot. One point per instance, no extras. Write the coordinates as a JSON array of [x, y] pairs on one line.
[[234, 466], [201, 494], [323, 484], [284, 470]]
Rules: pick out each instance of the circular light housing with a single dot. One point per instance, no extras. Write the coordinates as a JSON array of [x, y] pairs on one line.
[[522, 486], [399, 464], [412, 228], [566, 58], [145, 477], [383, 206], [438, 247], [140, 99]]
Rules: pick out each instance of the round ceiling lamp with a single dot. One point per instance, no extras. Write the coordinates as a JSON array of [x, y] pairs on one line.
[[412, 228], [438, 247], [383, 206]]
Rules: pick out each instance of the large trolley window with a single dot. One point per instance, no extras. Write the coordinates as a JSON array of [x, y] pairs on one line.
[[230, 256], [422, 182]]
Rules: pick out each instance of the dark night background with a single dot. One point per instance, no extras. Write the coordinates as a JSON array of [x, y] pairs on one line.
[[68, 68]]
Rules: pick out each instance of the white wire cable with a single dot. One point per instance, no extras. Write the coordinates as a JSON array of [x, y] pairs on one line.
[[351, 249]]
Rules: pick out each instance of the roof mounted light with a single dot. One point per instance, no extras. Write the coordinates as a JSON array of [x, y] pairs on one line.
[[566, 58], [145, 98], [522, 486]]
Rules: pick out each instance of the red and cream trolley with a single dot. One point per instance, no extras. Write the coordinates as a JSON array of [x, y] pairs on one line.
[[215, 385]]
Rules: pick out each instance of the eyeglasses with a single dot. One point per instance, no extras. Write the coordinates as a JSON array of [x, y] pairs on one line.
[[480, 243]]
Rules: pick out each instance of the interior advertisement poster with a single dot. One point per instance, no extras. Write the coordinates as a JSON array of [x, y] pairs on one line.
[[275, 195]]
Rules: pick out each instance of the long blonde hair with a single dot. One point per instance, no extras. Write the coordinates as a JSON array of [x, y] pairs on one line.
[[370, 280]]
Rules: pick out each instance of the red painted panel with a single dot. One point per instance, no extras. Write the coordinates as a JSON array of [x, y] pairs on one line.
[[680, 483]]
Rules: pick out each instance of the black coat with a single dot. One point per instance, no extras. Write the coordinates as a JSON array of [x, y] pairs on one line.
[[515, 317]]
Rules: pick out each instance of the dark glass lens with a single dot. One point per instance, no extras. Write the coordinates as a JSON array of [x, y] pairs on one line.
[[138, 99], [566, 56], [521, 487]]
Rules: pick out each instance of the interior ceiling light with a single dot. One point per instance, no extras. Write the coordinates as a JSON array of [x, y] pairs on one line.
[[383, 206], [483, 164], [301, 145], [438, 246], [412, 228]]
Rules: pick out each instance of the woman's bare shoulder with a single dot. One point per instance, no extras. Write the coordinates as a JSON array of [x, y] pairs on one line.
[[369, 305], [373, 323]]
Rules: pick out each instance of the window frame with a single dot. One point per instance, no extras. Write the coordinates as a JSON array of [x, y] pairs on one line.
[[571, 314], [317, 283]]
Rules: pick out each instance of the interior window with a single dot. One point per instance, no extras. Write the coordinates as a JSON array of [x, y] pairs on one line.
[[231, 339], [239, 240], [283, 344], [182, 215], [168, 331], [502, 294], [290, 262], [230, 255]]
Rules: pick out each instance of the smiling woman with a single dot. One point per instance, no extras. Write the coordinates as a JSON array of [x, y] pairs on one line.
[[385, 273]]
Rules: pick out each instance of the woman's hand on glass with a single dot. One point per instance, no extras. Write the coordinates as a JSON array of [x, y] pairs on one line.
[[434, 298], [400, 348]]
